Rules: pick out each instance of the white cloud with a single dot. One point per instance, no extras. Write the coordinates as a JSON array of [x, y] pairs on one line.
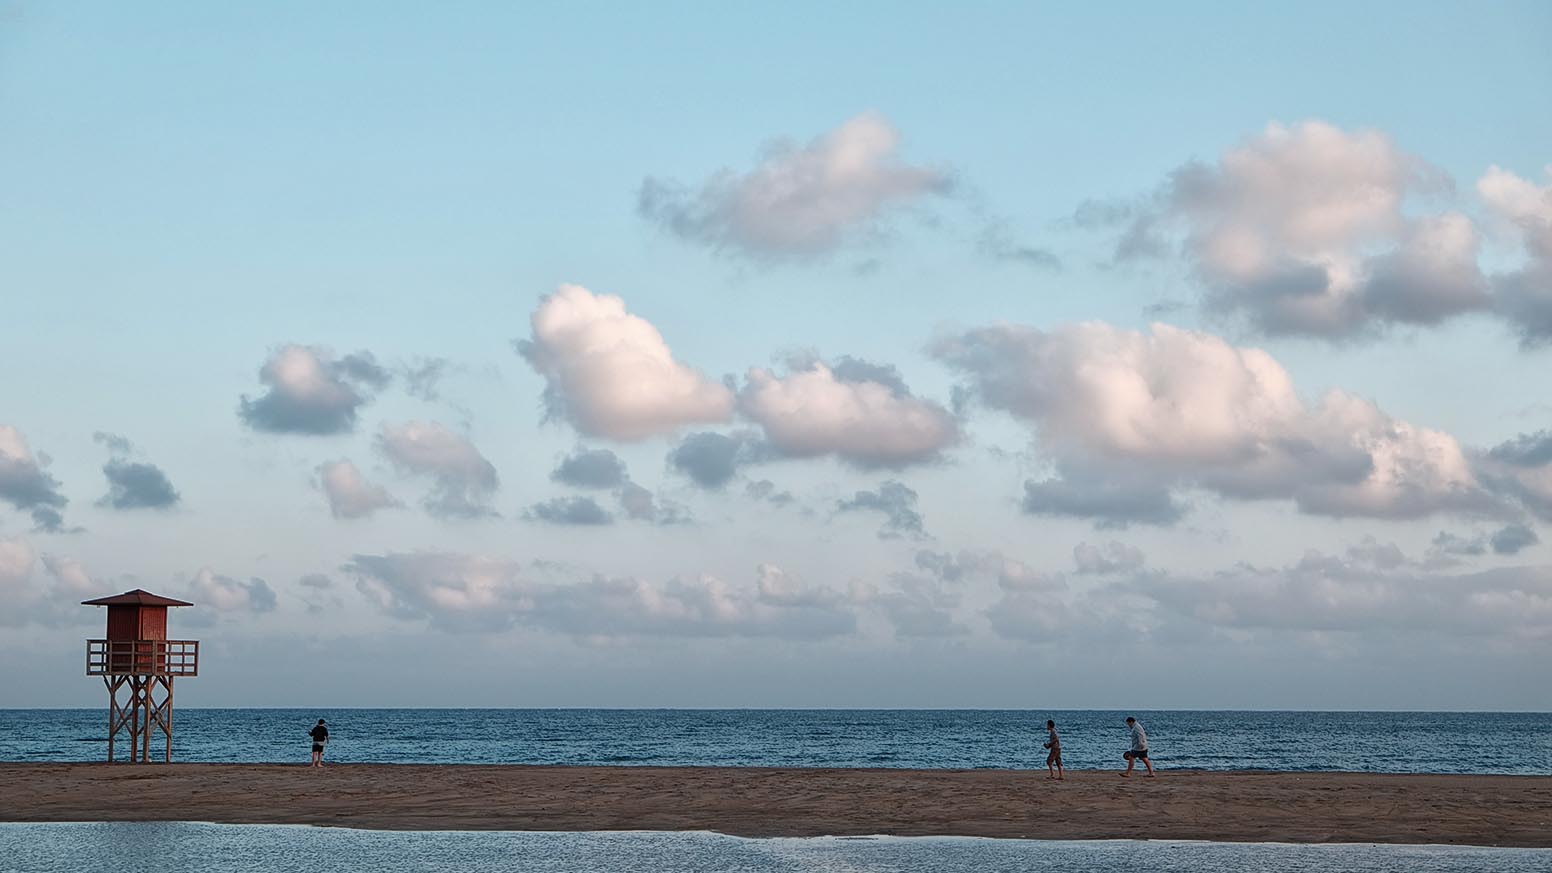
[[611, 374], [464, 481], [70, 575], [51, 601], [451, 591], [776, 587], [700, 606], [1302, 230], [869, 423], [312, 392], [352, 495], [1178, 408], [1009, 573], [226, 594], [800, 200], [465, 592], [1524, 295], [1355, 593]]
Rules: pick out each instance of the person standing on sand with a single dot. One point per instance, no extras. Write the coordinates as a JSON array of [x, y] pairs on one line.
[[320, 735], [1053, 761], [1139, 750]]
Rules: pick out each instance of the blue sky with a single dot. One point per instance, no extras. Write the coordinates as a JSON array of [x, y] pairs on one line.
[[187, 191]]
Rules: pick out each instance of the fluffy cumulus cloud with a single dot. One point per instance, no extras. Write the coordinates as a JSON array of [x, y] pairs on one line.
[[602, 470], [859, 412], [351, 494], [591, 468], [137, 485], [896, 502], [799, 201], [611, 374], [312, 392], [1522, 469], [1524, 294], [226, 594], [711, 459], [569, 510], [470, 593], [1301, 229], [70, 576], [133, 484], [1142, 412], [26, 485], [1366, 590], [1512, 539], [463, 480], [48, 598]]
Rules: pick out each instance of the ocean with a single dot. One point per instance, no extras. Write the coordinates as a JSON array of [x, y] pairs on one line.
[[1378, 742], [211, 848]]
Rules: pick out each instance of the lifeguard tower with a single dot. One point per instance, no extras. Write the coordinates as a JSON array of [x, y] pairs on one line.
[[138, 657]]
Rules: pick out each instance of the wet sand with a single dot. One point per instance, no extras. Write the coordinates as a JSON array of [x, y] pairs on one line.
[[1241, 806]]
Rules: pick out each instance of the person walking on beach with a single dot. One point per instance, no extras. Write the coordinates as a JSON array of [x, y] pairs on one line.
[[1139, 750], [1053, 761], [320, 735]]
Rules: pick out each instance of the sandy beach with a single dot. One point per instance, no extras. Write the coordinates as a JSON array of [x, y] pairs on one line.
[[1225, 806]]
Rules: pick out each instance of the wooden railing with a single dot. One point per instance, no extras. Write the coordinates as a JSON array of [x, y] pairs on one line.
[[142, 657]]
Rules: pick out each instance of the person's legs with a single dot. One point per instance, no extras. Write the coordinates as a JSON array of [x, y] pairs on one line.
[[1060, 773], [1148, 762], [1131, 761]]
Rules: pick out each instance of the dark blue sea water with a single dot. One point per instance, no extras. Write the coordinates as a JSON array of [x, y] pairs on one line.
[[1387, 742], [122, 847]]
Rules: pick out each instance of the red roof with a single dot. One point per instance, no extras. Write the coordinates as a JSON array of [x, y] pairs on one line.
[[138, 597]]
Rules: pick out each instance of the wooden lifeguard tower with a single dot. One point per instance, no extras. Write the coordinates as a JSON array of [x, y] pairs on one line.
[[138, 657]]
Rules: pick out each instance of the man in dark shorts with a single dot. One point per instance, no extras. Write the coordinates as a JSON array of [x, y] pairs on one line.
[[1053, 761], [1139, 750], [320, 735]]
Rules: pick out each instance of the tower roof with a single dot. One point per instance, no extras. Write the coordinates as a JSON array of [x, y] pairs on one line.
[[138, 597]]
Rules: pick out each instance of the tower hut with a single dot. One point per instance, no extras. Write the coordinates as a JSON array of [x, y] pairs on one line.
[[137, 657]]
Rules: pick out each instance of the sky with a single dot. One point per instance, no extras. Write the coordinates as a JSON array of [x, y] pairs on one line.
[[881, 355]]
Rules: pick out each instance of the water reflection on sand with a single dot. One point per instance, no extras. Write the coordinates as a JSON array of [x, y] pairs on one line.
[[118, 847]]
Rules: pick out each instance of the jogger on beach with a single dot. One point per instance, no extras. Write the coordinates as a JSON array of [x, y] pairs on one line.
[[1139, 750], [1053, 761]]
